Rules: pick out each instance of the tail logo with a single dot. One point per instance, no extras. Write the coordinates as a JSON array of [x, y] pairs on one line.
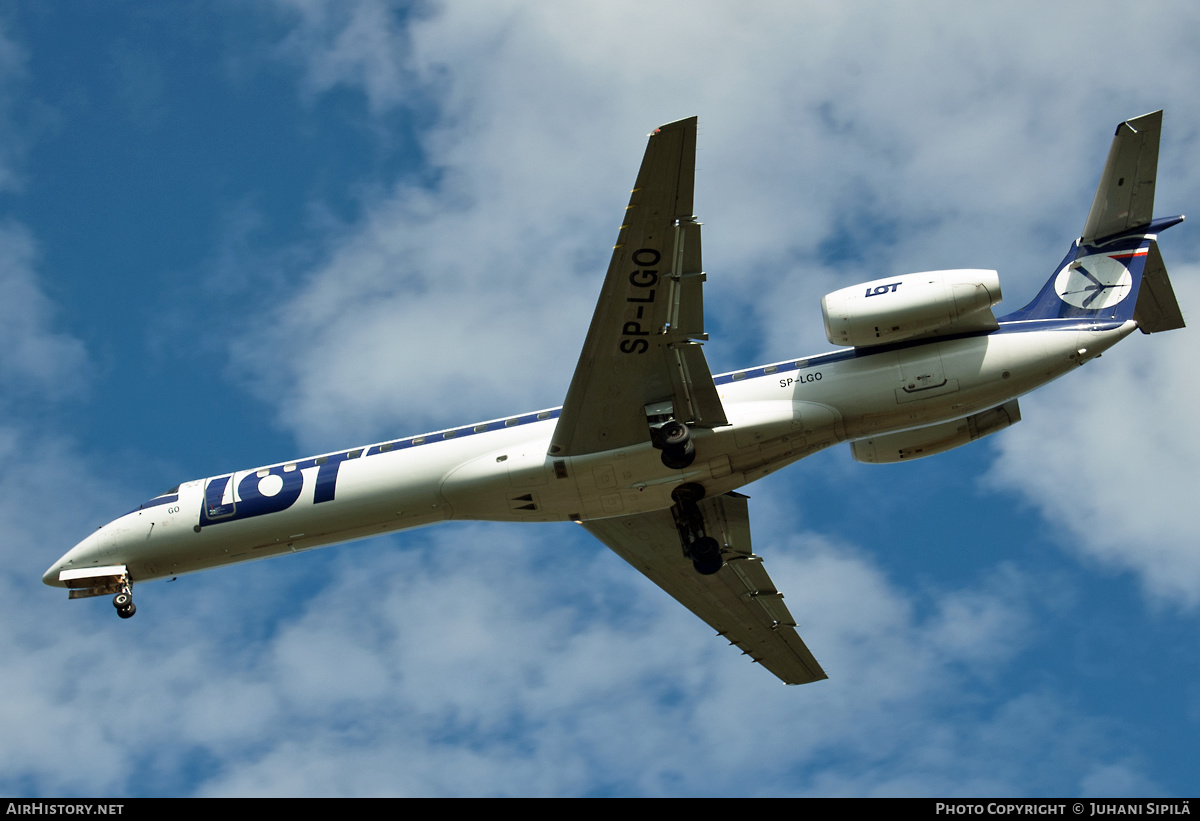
[[1096, 282]]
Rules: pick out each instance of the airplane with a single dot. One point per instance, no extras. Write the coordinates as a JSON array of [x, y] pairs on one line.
[[649, 449]]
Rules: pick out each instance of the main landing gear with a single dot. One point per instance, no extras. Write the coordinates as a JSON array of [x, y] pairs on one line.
[[123, 601], [702, 549], [678, 452]]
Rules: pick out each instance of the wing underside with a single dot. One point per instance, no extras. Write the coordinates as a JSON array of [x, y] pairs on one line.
[[643, 346], [740, 601]]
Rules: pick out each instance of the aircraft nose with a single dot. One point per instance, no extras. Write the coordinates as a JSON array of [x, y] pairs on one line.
[[88, 552], [50, 577]]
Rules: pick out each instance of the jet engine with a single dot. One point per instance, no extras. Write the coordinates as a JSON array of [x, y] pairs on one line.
[[912, 305], [915, 444]]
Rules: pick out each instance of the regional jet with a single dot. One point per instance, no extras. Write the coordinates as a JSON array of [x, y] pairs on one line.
[[649, 449]]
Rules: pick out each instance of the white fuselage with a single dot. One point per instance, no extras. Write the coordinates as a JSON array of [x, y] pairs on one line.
[[500, 470]]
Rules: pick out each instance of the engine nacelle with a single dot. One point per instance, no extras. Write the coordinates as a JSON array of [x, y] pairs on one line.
[[912, 305], [916, 444]]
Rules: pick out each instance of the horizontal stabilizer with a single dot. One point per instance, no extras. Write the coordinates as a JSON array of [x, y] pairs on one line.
[[1157, 309]]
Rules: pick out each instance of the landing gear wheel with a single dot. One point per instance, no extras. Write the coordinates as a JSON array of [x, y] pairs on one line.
[[123, 601], [702, 549], [677, 449], [674, 434], [706, 555]]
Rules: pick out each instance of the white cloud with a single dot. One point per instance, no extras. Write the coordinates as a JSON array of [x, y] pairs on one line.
[[496, 660], [33, 357], [361, 45], [421, 320], [908, 141], [13, 59], [55, 702], [1109, 454]]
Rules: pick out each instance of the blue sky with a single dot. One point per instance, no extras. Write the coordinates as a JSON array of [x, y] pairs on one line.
[[232, 234]]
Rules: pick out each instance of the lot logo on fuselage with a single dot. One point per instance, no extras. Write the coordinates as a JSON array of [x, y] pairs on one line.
[[269, 490]]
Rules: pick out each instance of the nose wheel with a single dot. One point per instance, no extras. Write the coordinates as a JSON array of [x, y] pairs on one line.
[[123, 601]]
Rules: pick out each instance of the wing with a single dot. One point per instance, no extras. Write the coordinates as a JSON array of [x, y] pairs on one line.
[[740, 602], [642, 347]]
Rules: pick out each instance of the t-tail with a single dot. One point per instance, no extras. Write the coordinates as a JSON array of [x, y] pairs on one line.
[[1114, 272]]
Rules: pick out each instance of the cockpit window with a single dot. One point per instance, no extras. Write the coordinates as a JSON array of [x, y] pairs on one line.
[[167, 498]]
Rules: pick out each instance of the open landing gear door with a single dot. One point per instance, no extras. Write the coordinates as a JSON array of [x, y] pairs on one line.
[[95, 581]]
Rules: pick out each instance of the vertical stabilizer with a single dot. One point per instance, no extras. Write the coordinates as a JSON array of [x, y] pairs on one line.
[[1114, 272], [1125, 196]]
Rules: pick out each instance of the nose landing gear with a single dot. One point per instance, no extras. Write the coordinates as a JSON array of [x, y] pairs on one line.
[[86, 582], [123, 601]]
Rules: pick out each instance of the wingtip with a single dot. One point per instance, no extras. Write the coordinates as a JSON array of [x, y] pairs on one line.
[[1139, 123], [676, 125]]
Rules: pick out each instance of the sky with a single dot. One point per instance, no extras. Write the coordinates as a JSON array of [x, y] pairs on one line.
[[233, 234]]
